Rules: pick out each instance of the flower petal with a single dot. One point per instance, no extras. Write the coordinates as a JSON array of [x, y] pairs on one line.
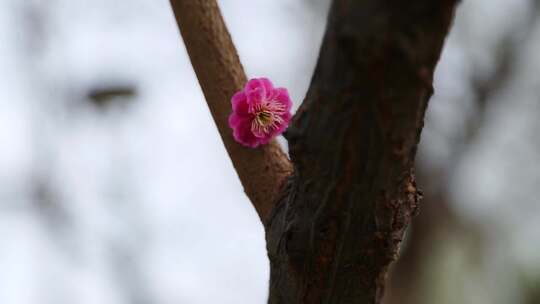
[[235, 120], [264, 141], [242, 131], [281, 95], [262, 85], [254, 98], [286, 117], [259, 133], [239, 103], [268, 87]]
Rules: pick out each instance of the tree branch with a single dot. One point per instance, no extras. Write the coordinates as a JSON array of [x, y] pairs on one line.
[[262, 171], [353, 143]]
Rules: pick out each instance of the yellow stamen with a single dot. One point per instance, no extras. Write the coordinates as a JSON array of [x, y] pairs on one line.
[[267, 117]]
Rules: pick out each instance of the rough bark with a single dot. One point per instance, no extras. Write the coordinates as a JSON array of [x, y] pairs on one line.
[[340, 222], [214, 58], [436, 221]]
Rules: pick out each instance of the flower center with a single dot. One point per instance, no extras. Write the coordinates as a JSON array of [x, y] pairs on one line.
[[267, 118], [264, 118]]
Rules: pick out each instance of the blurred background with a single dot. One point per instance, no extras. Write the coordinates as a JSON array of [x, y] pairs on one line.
[[115, 187]]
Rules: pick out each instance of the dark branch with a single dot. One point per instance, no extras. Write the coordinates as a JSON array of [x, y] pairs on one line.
[[353, 143]]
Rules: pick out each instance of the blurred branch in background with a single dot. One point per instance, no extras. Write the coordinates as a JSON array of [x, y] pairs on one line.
[[531, 291], [438, 222], [105, 95]]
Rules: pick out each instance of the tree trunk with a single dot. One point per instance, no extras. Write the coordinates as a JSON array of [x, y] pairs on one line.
[[337, 228]]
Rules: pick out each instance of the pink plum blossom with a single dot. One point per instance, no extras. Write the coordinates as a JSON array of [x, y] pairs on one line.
[[260, 112]]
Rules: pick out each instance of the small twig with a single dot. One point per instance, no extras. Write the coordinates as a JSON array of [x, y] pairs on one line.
[[214, 58]]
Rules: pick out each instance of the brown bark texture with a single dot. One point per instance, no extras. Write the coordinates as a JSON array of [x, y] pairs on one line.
[[215, 61], [352, 143], [340, 216]]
